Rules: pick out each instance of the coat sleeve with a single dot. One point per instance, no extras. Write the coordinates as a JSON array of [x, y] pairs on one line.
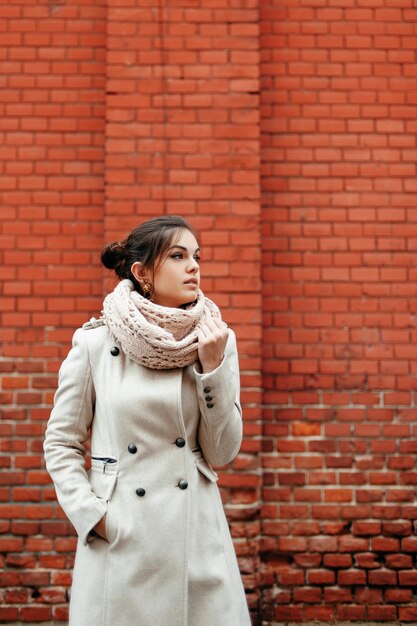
[[218, 392], [66, 434]]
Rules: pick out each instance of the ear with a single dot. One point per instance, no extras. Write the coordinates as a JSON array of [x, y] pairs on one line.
[[138, 272]]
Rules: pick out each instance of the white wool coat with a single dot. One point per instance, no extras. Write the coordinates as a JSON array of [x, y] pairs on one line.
[[169, 559]]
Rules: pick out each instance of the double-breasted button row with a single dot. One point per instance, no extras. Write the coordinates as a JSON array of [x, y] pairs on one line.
[[208, 398], [180, 442], [132, 448], [182, 484]]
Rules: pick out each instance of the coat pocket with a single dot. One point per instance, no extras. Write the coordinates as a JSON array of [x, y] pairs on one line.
[[206, 470], [103, 478]]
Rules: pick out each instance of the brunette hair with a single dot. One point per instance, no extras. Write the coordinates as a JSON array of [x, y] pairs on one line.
[[146, 243]]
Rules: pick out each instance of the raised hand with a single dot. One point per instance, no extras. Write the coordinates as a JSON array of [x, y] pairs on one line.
[[212, 339]]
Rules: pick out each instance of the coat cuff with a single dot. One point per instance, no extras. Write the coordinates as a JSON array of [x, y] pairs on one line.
[[216, 390]]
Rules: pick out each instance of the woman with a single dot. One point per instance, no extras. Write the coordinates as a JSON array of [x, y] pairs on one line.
[[156, 379]]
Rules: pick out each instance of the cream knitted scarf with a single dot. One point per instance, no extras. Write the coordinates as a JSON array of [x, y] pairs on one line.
[[155, 336]]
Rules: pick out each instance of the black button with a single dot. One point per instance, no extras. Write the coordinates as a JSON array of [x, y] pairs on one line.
[[132, 448], [210, 405], [209, 398], [207, 389], [115, 351], [183, 484], [180, 442], [140, 492]]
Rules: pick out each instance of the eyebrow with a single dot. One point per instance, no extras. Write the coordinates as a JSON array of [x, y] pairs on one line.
[[183, 248]]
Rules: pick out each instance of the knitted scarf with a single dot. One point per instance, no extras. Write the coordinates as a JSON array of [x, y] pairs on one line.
[[155, 336]]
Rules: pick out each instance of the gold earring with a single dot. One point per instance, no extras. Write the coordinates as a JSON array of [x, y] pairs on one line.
[[146, 289]]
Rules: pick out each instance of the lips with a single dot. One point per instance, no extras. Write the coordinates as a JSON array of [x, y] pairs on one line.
[[193, 282]]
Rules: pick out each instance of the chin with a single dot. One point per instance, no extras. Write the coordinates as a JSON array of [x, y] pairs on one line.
[[188, 304]]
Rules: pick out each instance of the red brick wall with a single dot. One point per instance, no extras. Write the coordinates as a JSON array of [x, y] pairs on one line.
[[182, 104], [51, 185], [112, 112], [339, 241]]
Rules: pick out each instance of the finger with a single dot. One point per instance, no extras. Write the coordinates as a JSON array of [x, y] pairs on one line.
[[218, 328], [219, 322], [213, 328], [203, 332], [211, 325]]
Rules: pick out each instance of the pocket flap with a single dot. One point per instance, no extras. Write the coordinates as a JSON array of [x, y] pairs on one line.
[[102, 483], [206, 470]]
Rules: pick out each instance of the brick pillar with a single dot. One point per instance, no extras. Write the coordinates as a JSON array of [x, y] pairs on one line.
[[112, 113], [51, 161], [339, 182], [182, 105]]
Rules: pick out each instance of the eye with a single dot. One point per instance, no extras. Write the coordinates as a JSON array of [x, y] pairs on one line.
[[176, 255], [197, 258]]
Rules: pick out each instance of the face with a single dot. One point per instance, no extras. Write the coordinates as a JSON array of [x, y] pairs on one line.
[[176, 277]]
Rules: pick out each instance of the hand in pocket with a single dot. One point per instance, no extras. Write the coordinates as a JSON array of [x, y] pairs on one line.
[[100, 528]]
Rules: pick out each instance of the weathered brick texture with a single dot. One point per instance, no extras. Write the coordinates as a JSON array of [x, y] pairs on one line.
[[51, 185], [183, 137], [113, 112], [338, 103], [286, 132]]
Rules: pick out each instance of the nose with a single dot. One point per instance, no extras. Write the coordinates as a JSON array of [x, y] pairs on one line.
[[193, 265]]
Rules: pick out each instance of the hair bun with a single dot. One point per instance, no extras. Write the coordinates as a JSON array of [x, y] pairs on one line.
[[113, 255]]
